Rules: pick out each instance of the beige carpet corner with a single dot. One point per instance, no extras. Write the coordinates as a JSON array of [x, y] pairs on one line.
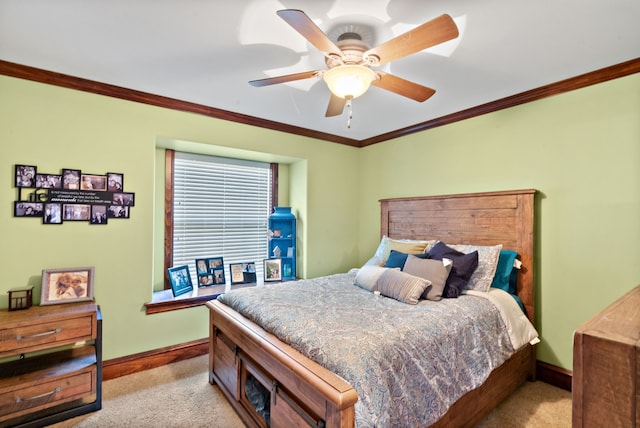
[[179, 395]]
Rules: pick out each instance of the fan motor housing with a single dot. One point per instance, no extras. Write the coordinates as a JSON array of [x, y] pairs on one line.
[[352, 48]]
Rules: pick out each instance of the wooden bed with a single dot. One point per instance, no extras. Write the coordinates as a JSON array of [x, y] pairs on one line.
[[303, 393]]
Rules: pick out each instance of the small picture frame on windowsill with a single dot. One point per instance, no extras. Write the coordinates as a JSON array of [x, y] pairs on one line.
[[272, 270], [180, 280], [242, 273]]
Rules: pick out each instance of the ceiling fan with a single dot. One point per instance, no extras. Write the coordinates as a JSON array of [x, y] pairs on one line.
[[349, 61]]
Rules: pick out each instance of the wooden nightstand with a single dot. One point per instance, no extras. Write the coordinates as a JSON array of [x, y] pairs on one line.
[[50, 363]]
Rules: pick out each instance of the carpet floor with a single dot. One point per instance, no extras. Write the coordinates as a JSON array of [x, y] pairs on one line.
[[179, 395]]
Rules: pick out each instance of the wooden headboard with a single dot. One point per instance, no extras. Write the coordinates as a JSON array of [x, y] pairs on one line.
[[488, 218]]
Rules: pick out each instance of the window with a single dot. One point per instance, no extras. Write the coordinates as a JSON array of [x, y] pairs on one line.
[[220, 208]]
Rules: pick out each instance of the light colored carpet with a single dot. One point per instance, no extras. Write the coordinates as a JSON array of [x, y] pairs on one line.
[[179, 395]]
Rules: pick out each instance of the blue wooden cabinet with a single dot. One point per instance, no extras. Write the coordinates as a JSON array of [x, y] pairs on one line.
[[282, 240]]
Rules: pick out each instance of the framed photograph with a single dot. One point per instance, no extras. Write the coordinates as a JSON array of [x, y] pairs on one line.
[[273, 270], [215, 263], [180, 280], [205, 280], [98, 214], [242, 273], [125, 199], [27, 209], [67, 285], [76, 212], [93, 182], [70, 179], [218, 276], [25, 176], [48, 181], [202, 266], [115, 182], [52, 213], [118, 211]]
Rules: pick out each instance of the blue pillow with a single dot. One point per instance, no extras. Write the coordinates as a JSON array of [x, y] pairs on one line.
[[504, 271], [462, 268], [397, 259], [506, 275]]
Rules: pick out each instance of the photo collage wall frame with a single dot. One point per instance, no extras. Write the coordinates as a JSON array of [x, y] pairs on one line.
[[71, 195]]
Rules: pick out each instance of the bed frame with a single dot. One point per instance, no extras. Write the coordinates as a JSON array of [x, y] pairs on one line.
[[303, 393]]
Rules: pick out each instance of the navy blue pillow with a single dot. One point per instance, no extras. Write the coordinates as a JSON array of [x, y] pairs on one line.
[[463, 267], [397, 259]]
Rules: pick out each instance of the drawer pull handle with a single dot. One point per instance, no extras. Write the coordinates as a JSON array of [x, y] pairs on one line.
[[46, 333], [20, 400]]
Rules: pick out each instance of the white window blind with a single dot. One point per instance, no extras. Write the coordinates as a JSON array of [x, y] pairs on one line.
[[221, 207]]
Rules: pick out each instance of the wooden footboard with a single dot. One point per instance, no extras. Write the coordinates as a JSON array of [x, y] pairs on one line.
[[299, 391]]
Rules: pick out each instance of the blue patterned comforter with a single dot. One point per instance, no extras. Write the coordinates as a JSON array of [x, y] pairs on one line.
[[408, 363]]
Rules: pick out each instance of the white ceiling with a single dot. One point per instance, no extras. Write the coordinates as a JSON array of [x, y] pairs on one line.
[[205, 51]]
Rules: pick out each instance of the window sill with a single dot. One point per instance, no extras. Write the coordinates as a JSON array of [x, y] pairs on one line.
[[163, 301]]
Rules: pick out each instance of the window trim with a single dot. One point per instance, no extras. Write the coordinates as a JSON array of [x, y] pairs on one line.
[[163, 300]]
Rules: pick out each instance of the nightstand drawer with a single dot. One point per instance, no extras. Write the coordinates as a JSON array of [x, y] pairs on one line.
[[52, 333], [34, 396]]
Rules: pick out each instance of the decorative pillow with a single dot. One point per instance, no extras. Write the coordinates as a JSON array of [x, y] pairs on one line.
[[502, 278], [487, 262], [461, 271], [368, 275], [402, 286], [436, 271], [397, 259], [408, 246]]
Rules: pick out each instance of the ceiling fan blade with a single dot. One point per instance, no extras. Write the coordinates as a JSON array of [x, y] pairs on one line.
[[403, 87], [309, 30], [283, 79], [336, 106], [434, 32]]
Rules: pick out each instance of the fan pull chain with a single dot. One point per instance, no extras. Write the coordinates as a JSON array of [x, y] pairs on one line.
[[350, 115]]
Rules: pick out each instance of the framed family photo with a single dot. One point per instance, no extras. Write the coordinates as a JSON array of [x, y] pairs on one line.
[[93, 182], [242, 273], [71, 179], [115, 182], [27, 209], [205, 280], [218, 276], [180, 280], [272, 269], [67, 285], [25, 176]]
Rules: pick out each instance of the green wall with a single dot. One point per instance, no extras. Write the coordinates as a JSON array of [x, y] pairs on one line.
[[56, 128], [581, 150]]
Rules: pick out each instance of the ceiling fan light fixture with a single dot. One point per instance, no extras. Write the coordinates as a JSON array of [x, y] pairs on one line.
[[350, 80]]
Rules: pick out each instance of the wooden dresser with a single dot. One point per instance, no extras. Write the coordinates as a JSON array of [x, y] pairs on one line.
[[50, 363], [606, 366]]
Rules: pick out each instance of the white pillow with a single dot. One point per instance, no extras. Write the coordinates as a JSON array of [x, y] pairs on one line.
[[368, 276]]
